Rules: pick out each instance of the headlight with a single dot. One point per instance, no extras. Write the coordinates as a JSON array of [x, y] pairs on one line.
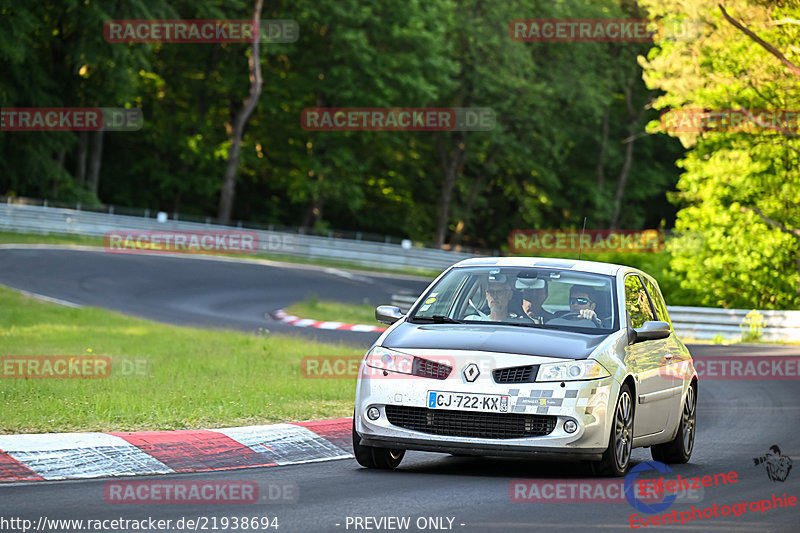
[[390, 360], [571, 371]]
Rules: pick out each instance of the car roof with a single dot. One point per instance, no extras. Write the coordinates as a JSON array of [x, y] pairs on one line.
[[594, 267]]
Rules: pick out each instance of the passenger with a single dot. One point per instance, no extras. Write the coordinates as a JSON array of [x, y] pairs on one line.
[[532, 300]]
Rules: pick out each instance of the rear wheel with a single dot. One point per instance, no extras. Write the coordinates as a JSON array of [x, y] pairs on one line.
[[617, 456], [371, 457], [679, 449]]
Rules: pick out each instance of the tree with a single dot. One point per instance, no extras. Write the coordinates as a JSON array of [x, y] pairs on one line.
[[229, 180], [739, 188]]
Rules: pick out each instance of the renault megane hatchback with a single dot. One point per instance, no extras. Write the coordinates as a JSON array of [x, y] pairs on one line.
[[531, 357]]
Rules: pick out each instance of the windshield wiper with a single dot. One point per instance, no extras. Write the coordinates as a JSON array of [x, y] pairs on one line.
[[438, 319], [523, 324]]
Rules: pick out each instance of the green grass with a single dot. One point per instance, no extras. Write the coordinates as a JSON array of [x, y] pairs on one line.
[[333, 311], [26, 238], [30, 238], [197, 378]]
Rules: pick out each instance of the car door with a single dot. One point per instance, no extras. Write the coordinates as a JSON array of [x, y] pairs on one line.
[[676, 355], [646, 360]]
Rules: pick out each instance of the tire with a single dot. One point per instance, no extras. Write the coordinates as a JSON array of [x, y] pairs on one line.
[[617, 457], [370, 457], [679, 449]]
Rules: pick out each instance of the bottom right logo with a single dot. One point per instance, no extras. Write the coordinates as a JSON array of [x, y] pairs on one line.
[[777, 465]]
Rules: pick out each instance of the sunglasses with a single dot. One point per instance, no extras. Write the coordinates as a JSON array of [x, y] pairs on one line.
[[579, 301]]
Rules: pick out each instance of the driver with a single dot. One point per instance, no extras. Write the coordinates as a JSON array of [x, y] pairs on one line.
[[583, 302]]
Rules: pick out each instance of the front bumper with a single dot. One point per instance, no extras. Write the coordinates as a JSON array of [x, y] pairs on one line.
[[584, 402]]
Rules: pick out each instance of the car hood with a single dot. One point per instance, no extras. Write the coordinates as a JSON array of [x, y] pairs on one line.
[[493, 338]]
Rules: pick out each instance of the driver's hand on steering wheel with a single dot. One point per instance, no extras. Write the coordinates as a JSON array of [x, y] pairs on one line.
[[588, 314]]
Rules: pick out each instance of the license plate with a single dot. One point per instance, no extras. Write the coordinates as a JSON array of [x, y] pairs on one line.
[[470, 402]]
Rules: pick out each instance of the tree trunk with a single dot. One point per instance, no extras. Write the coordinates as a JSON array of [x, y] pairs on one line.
[[621, 183], [601, 158], [477, 187], [229, 180], [62, 154], [83, 148], [634, 118], [452, 165], [94, 162]]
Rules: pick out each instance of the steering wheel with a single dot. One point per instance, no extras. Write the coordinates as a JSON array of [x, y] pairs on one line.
[[573, 315]]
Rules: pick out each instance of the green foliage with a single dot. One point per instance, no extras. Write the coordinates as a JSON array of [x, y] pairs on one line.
[[729, 255], [536, 168], [566, 114], [751, 325]]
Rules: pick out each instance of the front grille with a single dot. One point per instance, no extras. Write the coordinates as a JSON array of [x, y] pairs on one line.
[[430, 369], [517, 374], [469, 424]]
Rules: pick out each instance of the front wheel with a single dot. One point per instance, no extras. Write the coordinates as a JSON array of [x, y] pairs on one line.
[[617, 456], [679, 449], [370, 457]]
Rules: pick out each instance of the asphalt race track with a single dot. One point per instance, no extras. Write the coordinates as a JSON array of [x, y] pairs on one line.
[[737, 420], [193, 290]]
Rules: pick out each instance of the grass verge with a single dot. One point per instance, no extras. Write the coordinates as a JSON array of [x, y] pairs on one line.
[[197, 378], [333, 311]]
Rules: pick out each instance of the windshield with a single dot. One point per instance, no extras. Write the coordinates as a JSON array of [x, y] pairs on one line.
[[522, 296]]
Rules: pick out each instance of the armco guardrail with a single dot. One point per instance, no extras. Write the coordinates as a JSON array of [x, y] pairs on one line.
[[702, 322], [50, 220], [708, 322]]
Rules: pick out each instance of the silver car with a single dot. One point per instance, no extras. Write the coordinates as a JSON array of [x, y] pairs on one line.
[[541, 358]]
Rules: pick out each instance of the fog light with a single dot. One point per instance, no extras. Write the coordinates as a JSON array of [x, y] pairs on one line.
[[570, 426], [373, 413]]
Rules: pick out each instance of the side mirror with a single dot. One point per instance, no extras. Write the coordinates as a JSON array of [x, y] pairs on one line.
[[388, 314], [652, 330]]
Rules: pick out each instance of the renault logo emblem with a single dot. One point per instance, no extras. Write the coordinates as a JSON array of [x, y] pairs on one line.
[[471, 372]]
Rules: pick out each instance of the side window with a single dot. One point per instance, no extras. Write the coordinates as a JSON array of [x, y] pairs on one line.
[[658, 302], [636, 302]]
